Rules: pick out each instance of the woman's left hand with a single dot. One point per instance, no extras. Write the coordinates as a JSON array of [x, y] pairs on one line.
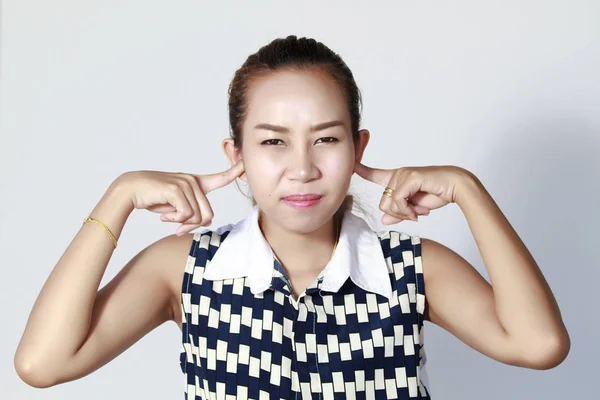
[[416, 190]]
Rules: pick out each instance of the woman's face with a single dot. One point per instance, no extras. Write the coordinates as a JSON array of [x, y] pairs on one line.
[[296, 140]]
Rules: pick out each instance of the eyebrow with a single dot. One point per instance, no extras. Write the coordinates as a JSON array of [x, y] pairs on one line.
[[315, 128]]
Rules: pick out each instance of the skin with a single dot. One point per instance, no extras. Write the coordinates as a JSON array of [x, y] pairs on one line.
[[514, 320], [284, 154]]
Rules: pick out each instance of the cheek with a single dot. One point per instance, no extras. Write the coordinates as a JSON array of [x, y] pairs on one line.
[[262, 173], [338, 163], [337, 172]]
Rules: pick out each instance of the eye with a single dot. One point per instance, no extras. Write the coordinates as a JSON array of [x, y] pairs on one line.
[[270, 142], [329, 139]]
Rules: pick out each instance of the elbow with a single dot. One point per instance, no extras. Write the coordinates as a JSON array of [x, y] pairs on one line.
[[31, 374], [547, 353]]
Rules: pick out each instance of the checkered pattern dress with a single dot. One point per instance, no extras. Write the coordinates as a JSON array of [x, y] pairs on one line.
[[325, 345]]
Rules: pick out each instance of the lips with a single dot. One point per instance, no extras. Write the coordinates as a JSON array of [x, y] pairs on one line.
[[302, 197], [302, 201]]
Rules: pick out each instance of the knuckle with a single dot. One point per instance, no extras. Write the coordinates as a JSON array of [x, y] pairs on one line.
[[197, 211], [188, 179], [173, 187], [196, 218], [195, 184], [184, 183], [412, 174]]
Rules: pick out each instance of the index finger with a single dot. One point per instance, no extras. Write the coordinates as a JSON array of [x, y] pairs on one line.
[[375, 175], [211, 182]]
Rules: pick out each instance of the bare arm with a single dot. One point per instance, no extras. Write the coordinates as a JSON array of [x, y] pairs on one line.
[[73, 328], [516, 319]]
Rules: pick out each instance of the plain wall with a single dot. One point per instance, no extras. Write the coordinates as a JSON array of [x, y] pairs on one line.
[[507, 89]]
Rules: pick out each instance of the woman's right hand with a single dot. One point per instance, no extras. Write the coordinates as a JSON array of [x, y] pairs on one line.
[[179, 197]]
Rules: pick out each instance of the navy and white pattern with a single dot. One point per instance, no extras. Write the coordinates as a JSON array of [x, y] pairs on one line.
[[349, 342]]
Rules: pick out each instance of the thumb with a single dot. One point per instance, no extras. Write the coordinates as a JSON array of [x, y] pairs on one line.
[[210, 182]]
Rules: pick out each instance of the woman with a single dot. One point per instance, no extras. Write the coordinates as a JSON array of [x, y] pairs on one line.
[[301, 298]]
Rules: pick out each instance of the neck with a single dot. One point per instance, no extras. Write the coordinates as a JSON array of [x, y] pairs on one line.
[[290, 247]]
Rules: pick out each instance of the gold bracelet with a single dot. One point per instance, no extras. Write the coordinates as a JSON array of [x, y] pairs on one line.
[[100, 224]]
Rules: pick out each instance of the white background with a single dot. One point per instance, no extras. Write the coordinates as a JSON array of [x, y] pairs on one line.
[[507, 89]]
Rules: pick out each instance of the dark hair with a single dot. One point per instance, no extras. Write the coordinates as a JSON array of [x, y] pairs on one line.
[[298, 54]]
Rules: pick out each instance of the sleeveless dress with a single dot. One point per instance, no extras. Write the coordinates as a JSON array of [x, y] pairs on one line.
[[324, 345]]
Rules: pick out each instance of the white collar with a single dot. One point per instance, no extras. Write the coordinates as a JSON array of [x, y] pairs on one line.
[[246, 253]]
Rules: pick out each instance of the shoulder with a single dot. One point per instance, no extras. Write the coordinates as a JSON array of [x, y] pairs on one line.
[[179, 249], [202, 245], [402, 252], [172, 254], [393, 240], [401, 243]]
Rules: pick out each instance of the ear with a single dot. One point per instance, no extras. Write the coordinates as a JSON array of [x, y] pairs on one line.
[[361, 144], [233, 154]]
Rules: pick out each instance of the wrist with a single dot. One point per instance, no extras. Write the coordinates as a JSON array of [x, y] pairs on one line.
[[467, 185], [115, 206], [119, 194]]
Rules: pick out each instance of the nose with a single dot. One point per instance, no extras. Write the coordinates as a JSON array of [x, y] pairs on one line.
[[301, 166]]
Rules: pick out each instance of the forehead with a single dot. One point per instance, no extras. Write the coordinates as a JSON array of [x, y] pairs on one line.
[[295, 98]]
